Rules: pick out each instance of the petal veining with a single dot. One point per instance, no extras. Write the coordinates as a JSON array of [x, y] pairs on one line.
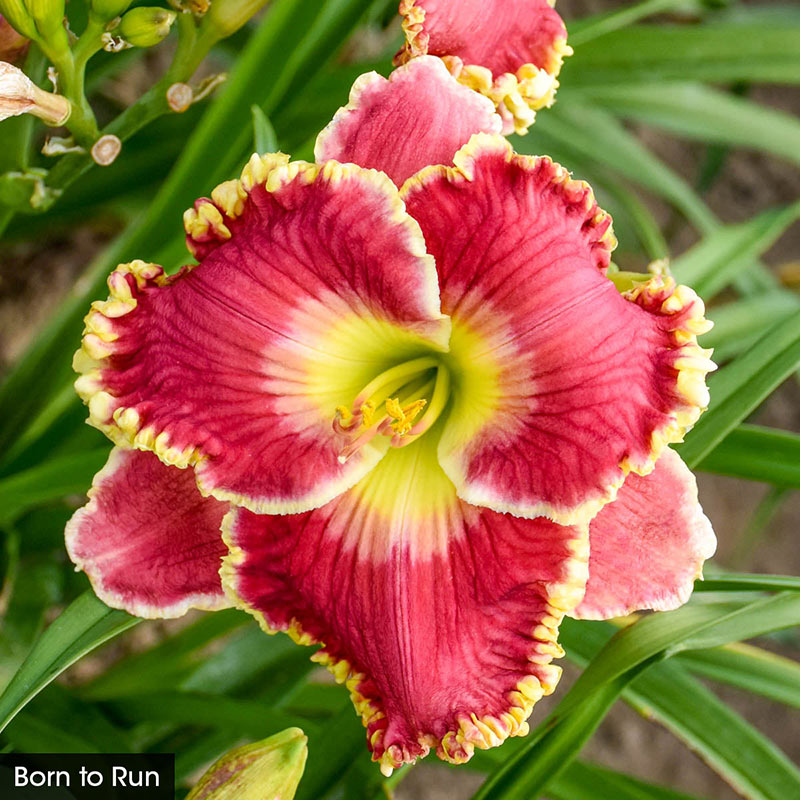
[[561, 385], [421, 115], [148, 541], [312, 280], [509, 50], [647, 548], [440, 616]]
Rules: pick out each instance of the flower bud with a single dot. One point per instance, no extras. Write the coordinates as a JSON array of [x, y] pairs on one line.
[[13, 45], [225, 17], [17, 15], [146, 26], [107, 10], [48, 16], [269, 769], [19, 95]]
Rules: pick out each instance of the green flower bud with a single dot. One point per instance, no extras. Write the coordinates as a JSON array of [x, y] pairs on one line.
[[107, 10], [268, 769], [48, 16], [225, 17], [146, 26], [17, 14]]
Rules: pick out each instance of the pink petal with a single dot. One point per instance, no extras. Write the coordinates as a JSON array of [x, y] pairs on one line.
[[421, 115], [149, 543], [564, 384], [312, 280], [647, 547], [509, 50], [441, 617]]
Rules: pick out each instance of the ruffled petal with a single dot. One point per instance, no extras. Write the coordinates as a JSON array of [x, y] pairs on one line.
[[509, 50], [148, 541], [647, 548], [562, 385], [441, 617], [312, 281], [421, 115]]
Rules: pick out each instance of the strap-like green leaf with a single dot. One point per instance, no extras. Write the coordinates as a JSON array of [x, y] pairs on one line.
[[583, 780], [739, 388], [84, 625], [757, 454], [717, 259], [598, 136], [739, 582], [749, 668], [626, 655], [712, 52], [738, 324], [50, 480], [700, 112]]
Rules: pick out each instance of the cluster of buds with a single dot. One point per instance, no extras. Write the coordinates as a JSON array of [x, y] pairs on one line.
[[39, 20]]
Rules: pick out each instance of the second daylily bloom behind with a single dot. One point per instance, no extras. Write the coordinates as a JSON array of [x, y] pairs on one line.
[[411, 411]]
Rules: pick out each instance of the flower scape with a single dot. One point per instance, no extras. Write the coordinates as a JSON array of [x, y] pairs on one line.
[[402, 407]]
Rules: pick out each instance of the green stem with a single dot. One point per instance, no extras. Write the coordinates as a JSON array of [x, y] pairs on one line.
[[152, 104]]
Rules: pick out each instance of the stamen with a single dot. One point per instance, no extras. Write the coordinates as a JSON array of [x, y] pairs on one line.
[[390, 404], [403, 415], [390, 380], [441, 394]]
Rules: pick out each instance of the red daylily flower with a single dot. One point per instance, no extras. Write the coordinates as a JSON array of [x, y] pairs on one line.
[[411, 411]]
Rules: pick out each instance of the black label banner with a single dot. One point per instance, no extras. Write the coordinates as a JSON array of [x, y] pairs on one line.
[[60, 776]]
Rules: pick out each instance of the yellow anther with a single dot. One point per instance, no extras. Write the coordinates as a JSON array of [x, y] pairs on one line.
[[344, 416], [367, 413], [403, 416]]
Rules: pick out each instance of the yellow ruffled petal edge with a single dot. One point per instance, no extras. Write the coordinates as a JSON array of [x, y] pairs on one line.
[[661, 294], [517, 96], [456, 746], [203, 221]]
